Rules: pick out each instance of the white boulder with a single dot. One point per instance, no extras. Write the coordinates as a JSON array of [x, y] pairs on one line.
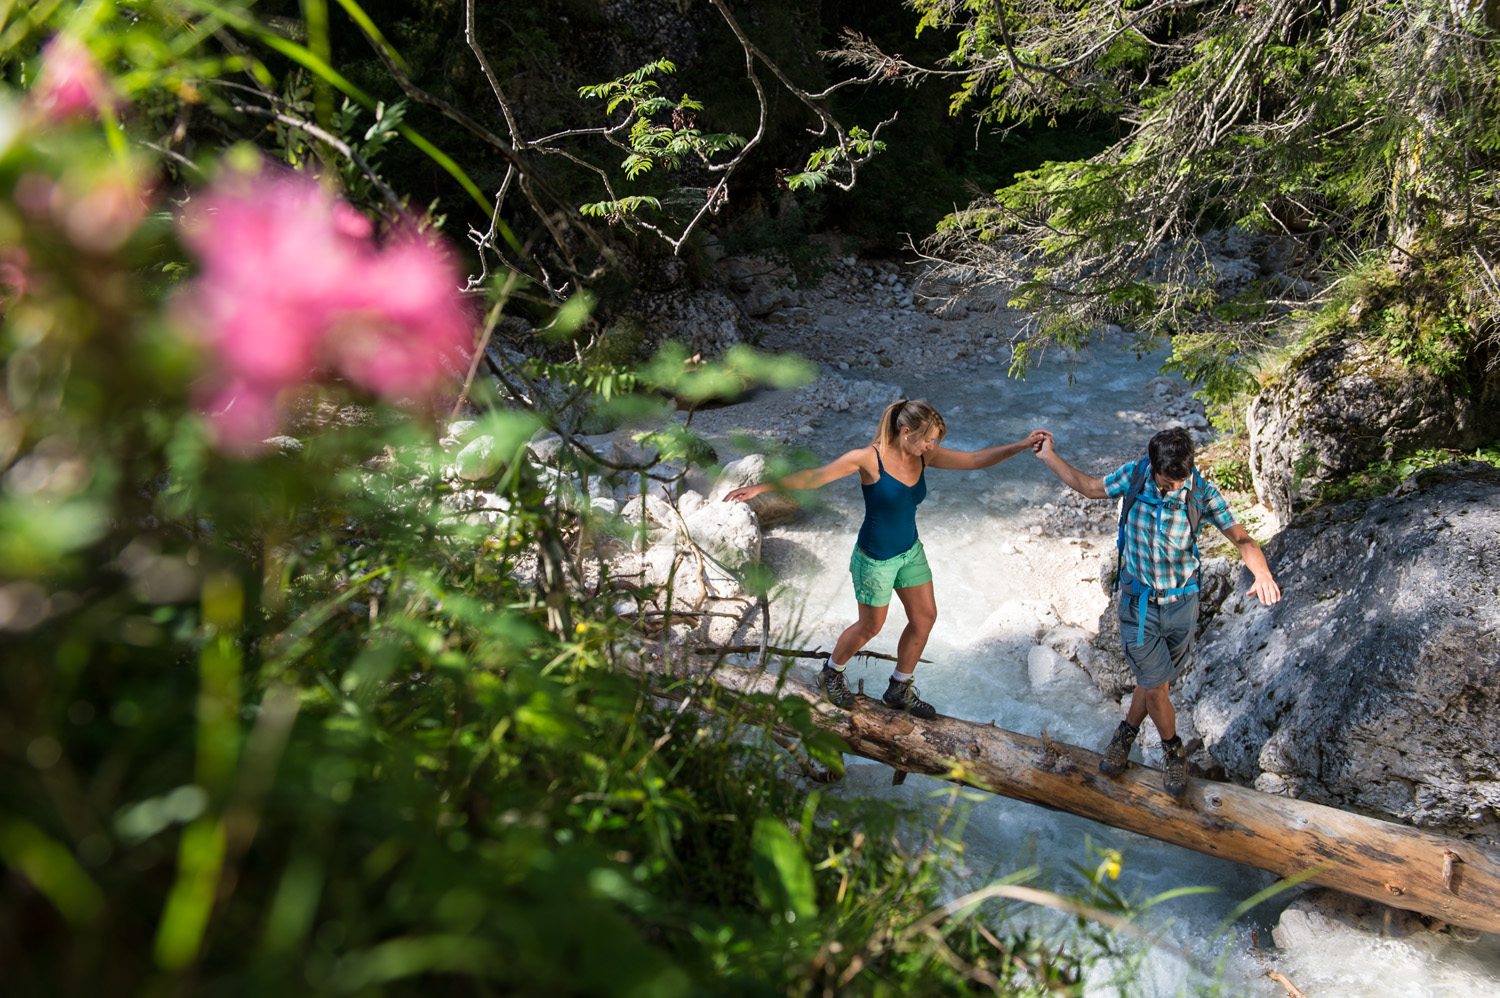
[[479, 460]]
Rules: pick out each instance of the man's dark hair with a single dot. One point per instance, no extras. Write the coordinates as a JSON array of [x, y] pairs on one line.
[[1171, 453]]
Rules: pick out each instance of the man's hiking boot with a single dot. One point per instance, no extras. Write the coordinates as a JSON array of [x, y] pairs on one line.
[[903, 696], [834, 687], [1117, 756], [1174, 767]]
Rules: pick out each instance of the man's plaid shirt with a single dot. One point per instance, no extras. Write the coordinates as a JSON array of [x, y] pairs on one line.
[[1158, 547]]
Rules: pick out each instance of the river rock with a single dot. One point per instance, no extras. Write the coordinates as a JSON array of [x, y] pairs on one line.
[[1344, 406], [1230, 275], [546, 448], [479, 460], [653, 509], [727, 532], [1017, 621], [950, 309], [658, 561], [1106, 668], [748, 470], [1224, 260], [1065, 640], [1374, 684], [1046, 667], [459, 431], [1326, 918], [770, 508]]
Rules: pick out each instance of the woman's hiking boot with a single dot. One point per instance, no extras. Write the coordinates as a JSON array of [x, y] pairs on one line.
[[903, 696], [1117, 755], [1174, 767], [834, 687]]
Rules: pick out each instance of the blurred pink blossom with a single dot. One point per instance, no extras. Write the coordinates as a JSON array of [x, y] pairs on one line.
[[99, 210], [71, 84], [293, 289], [96, 204], [15, 267]]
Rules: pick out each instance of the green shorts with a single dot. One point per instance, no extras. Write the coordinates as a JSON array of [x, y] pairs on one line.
[[875, 580]]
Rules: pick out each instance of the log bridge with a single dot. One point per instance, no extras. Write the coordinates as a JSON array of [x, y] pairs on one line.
[[1450, 879]]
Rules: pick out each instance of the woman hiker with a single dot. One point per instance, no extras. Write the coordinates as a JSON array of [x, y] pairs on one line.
[[888, 556]]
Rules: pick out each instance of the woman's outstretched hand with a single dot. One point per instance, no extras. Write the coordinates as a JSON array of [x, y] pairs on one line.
[[1037, 438], [745, 492]]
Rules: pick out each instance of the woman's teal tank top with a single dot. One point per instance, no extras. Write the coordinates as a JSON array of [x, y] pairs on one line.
[[890, 526]]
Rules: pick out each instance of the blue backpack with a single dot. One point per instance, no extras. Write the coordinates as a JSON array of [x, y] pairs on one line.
[[1197, 505]]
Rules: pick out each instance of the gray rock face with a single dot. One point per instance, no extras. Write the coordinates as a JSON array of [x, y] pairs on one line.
[[762, 286], [636, 32], [1345, 407], [705, 319], [1375, 683]]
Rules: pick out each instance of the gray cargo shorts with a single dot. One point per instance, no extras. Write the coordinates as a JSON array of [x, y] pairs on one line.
[[1165, 654]]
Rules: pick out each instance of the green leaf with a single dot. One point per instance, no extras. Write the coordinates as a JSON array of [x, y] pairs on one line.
[[50, 869], [783, 875], [510, 428], [809, 181], [570, 316], [635, 165]]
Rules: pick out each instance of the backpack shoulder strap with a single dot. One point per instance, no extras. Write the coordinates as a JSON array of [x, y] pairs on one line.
[[1133, 492], [1197, 502], [1137, 483]]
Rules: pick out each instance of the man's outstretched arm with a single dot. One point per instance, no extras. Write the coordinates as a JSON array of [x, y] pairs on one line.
[[1086, 485], [1265, 588]]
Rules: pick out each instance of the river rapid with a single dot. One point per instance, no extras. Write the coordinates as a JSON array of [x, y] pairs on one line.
[[1002, 574]]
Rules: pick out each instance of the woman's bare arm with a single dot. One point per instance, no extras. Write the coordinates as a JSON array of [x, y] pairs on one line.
[[986, 457], [812, 478]]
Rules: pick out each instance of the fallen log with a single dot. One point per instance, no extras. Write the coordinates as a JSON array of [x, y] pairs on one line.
[[1404, 867]]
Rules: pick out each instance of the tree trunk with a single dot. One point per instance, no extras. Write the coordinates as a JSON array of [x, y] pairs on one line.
[[1404, 867], [1407, 201]]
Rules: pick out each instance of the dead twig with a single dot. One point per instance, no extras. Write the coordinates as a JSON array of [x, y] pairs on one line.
[[790, 652], [1291, 989]]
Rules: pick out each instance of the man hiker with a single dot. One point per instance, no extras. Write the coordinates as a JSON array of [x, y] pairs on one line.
[[1164, 500]]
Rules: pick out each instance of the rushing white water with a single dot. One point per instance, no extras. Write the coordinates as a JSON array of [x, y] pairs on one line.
[[976, 529]]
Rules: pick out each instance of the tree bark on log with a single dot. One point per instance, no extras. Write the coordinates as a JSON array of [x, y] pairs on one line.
[[1397, 865]]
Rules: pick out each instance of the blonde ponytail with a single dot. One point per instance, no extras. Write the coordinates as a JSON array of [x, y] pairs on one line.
[[913, 415]]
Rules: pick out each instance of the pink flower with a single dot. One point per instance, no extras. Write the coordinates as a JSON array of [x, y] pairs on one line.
[[243, 415], [293, 289], [404, 306], [100, 210], [15, 267], [71, 84]]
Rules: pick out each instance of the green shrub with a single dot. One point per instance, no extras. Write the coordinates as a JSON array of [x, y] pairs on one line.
[[1232, 474], [305, 718], [1380, 477]]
